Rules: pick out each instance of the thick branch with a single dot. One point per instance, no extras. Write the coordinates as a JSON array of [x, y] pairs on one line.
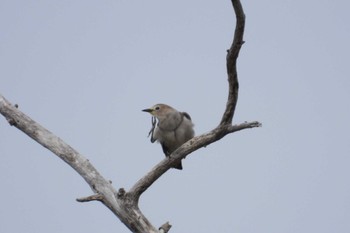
[[51, 142], [128, 213]]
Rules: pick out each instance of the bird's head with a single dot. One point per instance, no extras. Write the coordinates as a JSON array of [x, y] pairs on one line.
[[159, 110]]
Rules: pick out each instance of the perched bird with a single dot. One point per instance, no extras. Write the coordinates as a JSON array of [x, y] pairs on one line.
[[173, 129]]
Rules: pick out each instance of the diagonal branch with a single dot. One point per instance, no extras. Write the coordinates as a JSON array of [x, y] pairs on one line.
[[130, 215], [50, 141], [192, 145]]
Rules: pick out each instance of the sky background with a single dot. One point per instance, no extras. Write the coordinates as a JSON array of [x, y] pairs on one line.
[[86, 69]]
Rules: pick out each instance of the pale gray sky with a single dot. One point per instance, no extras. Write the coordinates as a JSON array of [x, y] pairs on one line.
[[85, 69]]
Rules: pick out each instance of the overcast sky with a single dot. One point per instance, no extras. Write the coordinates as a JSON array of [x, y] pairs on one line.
[[86, 69]]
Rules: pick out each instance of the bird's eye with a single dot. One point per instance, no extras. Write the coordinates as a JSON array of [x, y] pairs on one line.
[[156, 108]]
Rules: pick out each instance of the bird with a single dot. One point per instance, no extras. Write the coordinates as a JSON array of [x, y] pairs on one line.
[[172, 129]]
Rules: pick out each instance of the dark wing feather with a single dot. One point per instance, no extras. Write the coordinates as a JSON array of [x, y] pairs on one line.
[[165, 149], [185, 114]]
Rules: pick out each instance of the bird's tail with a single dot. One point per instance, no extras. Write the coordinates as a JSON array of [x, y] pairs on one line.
[[178, 165]]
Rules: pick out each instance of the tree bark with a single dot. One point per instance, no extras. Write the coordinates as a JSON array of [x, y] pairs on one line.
[[124, 204]]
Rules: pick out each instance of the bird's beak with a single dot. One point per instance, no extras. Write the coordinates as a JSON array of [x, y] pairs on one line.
[[150, 110]]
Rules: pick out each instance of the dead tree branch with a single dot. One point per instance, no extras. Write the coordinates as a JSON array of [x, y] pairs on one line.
[[125, 204], [225, 127], [125, 210], [231, 64]]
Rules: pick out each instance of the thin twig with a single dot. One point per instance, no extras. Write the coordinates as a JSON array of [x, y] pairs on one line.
[[96, 197]]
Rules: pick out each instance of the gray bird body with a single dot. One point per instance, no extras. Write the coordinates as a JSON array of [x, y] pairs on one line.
[[173, 129]]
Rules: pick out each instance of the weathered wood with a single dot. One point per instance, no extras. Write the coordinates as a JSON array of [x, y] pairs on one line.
[[127, 211], [231, 64], [125, 204]]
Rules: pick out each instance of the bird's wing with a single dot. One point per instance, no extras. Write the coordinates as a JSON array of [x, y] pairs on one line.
[[165, 149], [185, 114]]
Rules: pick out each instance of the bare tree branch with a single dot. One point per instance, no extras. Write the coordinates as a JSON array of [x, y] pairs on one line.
[[225, 127], [128, 213], [125, 204], [231, 63], [95, 197], [187, 148]]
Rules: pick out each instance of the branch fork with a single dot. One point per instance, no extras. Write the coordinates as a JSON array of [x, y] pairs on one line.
[[124, 204]]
